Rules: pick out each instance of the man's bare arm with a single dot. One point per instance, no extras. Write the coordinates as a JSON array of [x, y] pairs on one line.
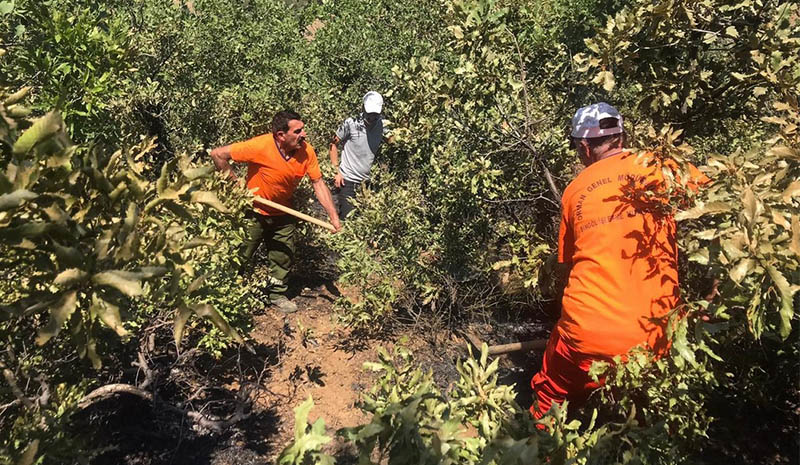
[[326, 200], [335, 151], [338, 180], [222, 158]]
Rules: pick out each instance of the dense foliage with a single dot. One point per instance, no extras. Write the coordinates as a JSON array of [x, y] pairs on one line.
[[480, 135], [112, 226], [89, 245]]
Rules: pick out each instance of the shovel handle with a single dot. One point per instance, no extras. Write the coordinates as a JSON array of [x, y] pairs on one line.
[[500, 349], [524, 346], [269, 203]]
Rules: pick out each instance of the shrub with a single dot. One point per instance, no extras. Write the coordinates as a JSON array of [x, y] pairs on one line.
[[89, 245]]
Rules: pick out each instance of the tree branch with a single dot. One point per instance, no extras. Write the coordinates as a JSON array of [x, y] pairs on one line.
[[208, 422], [552, 184], [12, 382], [111, 390]]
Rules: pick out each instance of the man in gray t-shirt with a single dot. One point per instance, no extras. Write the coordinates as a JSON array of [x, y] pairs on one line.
[[362, 139]]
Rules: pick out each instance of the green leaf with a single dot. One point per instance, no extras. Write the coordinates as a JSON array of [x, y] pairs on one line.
[[199, 242], [19, 111], [792, 190], [102, 243], [16, 199], [59, 313], [27, 230], [128, 236], [101, 181], [592, 45], [130, 221], [301, 417], [163, 180], [700, 256], [68, 255], [91, 350], [200, 172], [29, 455], [108, 314], [786, 292], [369, 430], [735, 247], [70, 276], [210, 199], [20, 94], [501, 264], [62, 158], [138, 187], [123, 281], [195, 285], [606, 79], [706, 234], [182, 314], [56, 214], [207, 311], [742, 269], [306, 444], [373, 366], [703, 209], [751, 205], [150, 272], [43, 128], [681, 344]]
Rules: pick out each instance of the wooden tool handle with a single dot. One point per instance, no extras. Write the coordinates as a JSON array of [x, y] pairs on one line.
[[524, 346], [295, 213], [500, 349]]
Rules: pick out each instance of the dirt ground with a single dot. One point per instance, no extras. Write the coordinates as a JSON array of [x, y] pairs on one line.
[[324, 359], [318, 360], [302, 354]]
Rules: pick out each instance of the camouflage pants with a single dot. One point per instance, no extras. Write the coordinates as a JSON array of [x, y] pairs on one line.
[[277, 233]]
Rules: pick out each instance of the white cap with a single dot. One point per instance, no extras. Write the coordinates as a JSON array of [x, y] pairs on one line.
[[586, 122], [373, 102]]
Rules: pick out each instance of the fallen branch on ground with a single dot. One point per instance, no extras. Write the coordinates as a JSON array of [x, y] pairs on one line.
[[208, 422]]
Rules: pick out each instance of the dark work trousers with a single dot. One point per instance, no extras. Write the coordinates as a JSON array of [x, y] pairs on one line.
[[347, 192], [277, 233]]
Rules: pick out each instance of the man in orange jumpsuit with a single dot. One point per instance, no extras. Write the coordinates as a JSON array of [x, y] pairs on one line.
[[276, 162], [622, 261]]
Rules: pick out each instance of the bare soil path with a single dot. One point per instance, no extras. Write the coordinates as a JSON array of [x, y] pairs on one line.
[[319, 358]]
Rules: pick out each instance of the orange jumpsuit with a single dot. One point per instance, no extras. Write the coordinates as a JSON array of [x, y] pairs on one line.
[[623, 277]]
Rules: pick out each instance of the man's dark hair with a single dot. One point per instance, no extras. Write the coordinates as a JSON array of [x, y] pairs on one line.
[[280, 122]]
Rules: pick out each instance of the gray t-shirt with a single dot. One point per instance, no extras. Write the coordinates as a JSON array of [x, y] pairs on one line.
[[361, 145]]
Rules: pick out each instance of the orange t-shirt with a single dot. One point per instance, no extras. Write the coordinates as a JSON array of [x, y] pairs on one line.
[[275, 177], [624, 260]]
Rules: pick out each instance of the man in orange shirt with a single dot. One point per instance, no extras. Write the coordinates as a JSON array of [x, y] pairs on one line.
[[276, 163], [622, 260]]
